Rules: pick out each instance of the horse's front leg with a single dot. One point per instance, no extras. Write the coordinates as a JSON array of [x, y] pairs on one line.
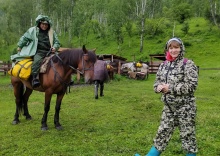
[[96, 87], [46, 110], [57, 111]]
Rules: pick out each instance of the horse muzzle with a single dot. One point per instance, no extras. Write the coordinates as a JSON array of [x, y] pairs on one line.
[[88, 80]]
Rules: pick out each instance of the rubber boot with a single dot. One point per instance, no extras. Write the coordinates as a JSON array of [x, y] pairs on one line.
[[101, 89], [35, 82], [153, 152], [191, 154], [96, 89]]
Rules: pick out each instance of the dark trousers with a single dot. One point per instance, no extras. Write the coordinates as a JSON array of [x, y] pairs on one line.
[[37, 60]]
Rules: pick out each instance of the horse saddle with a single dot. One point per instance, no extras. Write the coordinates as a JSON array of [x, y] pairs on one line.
[[44, 64], [22, 69]]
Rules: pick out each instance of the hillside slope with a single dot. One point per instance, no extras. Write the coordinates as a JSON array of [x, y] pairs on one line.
[[201, 42]]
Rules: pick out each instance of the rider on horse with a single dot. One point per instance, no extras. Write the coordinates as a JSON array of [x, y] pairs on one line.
[[35, 44]]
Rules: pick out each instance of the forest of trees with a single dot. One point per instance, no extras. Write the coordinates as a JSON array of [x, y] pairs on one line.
[[104, 18]]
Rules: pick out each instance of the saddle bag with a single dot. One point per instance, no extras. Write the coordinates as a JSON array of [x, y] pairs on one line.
[[108, 66], [22, 69]]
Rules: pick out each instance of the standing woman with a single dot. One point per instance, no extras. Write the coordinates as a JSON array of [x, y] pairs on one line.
[[176, 80], [36, 42]]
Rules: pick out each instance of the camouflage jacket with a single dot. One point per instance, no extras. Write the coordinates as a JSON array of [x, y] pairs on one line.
[[182, 78]]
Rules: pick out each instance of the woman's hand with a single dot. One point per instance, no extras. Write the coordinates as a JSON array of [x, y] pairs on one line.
[[164, 88], [18, 49], [53, 50], [159, 88]]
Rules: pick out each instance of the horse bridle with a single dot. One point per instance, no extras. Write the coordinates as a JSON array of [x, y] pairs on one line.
[[83, 64], [83, 71]]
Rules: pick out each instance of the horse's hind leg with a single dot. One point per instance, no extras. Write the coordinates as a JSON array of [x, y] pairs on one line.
[[18, 102], [18, 93], [101, 88], [57, 111]]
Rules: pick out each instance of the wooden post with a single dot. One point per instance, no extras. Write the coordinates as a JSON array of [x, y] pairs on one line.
[[119, 67], [5, 68]]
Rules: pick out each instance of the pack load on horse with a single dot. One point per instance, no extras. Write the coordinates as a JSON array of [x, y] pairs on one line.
[[126, 67], [135, 70], [55, 80], [110, 70], [142, 71], [100, 75]]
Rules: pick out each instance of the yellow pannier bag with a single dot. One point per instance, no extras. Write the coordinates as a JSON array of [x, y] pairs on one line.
[[138, 64], [22, 69], [108, 66]]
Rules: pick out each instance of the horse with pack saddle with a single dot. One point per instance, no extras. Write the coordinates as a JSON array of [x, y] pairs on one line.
[[54, 79]]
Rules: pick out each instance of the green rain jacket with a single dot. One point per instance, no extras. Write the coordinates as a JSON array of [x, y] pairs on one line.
[[28, 42]]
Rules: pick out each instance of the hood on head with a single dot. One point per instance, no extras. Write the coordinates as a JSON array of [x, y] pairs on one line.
[[182, 47], [177, 40], [42, 18]]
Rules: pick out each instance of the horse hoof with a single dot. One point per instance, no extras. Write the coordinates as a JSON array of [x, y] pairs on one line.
[[44, 128], [15, 122], [96, 97], [29, 118], [59, 128]]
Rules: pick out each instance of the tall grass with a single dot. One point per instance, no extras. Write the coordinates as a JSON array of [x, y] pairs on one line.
[[121, 123]]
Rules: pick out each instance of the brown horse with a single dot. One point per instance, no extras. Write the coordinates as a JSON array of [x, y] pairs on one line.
[[110, 70], [54, 81]]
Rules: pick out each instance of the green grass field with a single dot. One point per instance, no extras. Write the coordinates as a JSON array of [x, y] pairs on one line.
[[121, 123]]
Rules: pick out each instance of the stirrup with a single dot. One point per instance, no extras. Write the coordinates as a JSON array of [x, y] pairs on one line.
[[35, 83]]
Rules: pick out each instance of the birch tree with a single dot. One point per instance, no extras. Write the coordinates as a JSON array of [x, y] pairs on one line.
[[141, 14], [213, 11]]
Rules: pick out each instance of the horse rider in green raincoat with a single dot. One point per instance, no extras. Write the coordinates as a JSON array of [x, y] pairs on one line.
[[36, 42]]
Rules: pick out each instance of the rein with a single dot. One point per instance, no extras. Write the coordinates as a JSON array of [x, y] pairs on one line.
[[57, 75], [84, 69]]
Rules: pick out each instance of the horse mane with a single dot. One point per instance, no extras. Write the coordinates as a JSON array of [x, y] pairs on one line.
[[68, 56], [92, 55], [72, 56]]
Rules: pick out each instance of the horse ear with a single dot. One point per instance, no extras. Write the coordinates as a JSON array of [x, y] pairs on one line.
[[84, 49]]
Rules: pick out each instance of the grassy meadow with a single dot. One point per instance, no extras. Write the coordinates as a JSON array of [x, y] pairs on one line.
[[126, 119], [121, 123]]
